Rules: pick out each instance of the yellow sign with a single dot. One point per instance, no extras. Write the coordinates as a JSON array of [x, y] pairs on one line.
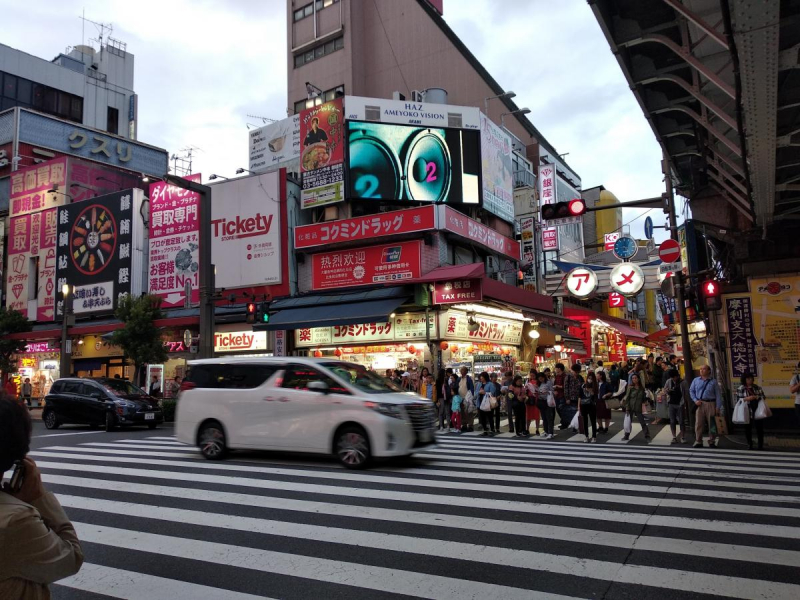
[[775, 307], [27, 362], [93, 346]]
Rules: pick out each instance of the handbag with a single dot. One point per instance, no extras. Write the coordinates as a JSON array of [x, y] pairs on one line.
[[741, 413], [551, 400], [486, 404], [627, 426], [492, 403], [763, 411], [722, 425]]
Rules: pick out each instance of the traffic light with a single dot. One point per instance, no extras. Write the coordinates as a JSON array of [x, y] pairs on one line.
[[262, 315], [562, 210], [711, 289], [251, 312]]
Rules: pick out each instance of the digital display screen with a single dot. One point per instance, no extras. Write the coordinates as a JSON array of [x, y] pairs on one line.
[[414, 164]]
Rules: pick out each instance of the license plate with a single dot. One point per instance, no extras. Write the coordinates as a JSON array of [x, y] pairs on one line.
[[425, 435], [149, 416]]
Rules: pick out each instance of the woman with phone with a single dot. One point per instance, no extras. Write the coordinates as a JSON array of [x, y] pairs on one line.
[[38, 544]]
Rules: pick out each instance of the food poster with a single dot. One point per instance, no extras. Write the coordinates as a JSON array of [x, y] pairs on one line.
[[96, 250], [498, 185], [322, 154], [174, 243], [765, 325]]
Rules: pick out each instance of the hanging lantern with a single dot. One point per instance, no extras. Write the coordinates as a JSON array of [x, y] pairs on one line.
[[317, 353], [412, 349], [337, 352], [454, 347], [443, 346], [471, 348]]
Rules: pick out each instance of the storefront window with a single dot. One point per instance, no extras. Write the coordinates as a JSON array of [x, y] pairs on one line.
[[360, 377]]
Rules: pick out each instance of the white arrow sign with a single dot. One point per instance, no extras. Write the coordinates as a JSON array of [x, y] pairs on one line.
[[174, 297]]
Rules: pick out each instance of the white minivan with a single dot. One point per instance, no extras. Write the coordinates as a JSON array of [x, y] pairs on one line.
[[299, 404]]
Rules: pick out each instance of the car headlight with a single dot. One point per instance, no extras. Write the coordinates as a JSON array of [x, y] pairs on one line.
[[390, 410]]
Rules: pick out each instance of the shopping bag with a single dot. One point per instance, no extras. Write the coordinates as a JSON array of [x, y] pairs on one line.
[[551, 400], [741, 413], [763, 411], [722, 425], [626, 425], [486, 404], [492, 402], [576, 421]]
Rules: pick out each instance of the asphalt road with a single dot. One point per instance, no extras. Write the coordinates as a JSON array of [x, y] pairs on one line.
[[473, 518]]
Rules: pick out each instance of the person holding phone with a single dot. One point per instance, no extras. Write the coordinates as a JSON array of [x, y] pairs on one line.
[[38, 544]]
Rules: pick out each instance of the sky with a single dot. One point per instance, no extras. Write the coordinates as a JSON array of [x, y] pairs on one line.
[[201, 67]]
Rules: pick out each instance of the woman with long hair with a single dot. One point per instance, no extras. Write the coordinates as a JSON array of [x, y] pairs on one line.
[[752, 394], [532, 412], [605, 390], [633, 402], [516, 397], [589, 406]]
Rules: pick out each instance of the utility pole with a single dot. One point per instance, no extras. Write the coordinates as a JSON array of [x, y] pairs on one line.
[[206, 348], [67, 320]]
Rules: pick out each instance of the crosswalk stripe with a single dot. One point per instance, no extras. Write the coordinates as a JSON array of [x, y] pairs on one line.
[[383, 579], [663, 437], [350, 477], [460, 467], [406, 582], [618, 438], [535, 530], [131, 585]]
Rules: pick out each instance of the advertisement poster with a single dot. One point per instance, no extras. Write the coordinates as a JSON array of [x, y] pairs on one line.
[[322, 154], [410, 220], [366, 266], [97, 253], [402, 328], [246, 231], [772, 310], [527, 229], [32, 237], [420, 164], [174, 243], [498, 184], [274, 145]]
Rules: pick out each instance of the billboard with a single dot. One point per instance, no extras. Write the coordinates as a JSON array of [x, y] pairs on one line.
[[274, 145], [410, 220], [99, 250], [174, 243], [497, 170], [414, 164], [322, 154], [246, 231], [455, 222], [366, 266], [404, 112]]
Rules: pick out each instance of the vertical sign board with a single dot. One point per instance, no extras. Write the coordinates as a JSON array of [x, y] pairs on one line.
[[547, 184], [498, 185], [279, 346], [174, 243], [322, 154], [32, 237], [246, 231], [527, 226], [550, 238], [97, 251]]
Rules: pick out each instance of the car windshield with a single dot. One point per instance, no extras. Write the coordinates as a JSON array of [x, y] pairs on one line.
[[362, 378], [121, 386]]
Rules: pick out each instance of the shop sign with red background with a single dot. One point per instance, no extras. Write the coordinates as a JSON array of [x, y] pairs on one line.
[[616, 300], [322, 154], [403, 327], [550, 238], [617, 346], [174, 243], [458, 291], [365, 266], [455, 222], [412, 220], [453, 325]]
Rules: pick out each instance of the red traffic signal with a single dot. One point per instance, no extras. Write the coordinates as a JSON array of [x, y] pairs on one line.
[[577, 207], [251, 312], [711, 291], [562, 210]]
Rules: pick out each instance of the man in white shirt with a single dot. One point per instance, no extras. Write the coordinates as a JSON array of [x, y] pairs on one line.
[[601, 369], [794, 388]]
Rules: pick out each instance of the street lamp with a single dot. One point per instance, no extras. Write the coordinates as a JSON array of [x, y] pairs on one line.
[[212, 177], [519, 111], [241, 170], [85, 187], [67, 319], [505, 95]]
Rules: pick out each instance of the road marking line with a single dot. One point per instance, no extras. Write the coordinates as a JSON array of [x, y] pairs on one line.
[[60, 434], [663, 437]]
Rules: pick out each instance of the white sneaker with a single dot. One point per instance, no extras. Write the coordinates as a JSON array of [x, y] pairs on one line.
[[587, 439]]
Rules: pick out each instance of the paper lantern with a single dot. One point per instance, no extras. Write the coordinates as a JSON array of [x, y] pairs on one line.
[[337, 352], [318, 353], [443, 346], [412, 349], [471, 348], [454, 347]]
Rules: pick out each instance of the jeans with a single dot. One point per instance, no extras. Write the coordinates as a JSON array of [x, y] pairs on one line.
[[705, 415], [642, 422], [548, 415], [589, 415], [445, 413], [675, 418], [519, 417]]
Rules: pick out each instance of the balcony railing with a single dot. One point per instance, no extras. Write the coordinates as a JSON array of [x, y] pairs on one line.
[[524, 178]]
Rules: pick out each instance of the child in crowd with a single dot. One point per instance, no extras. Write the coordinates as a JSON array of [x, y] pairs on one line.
[[455, 418]]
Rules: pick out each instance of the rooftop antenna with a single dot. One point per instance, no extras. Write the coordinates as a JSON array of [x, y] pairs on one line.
[[104, 29], [182, 160], [264, 120]]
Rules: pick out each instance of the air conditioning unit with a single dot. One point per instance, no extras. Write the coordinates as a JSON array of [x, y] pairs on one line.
[[492, 265], [2, 153], [417, 96], [4, 162]]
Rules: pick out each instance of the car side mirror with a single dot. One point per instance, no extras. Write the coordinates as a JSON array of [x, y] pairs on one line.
[[319, 386]]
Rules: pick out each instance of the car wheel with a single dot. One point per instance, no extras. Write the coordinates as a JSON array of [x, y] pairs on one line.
[[152, 425], [212, 441], [50, 420], [111, 421], [352, 447]]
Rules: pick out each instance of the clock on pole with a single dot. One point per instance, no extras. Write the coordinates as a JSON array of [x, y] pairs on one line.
[[625, 247]]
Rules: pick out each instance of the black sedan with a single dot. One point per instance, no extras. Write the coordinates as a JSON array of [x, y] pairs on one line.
[[99, 401]]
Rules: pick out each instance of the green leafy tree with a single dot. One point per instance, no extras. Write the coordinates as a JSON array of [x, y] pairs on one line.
[[11, 321], [139, 337]]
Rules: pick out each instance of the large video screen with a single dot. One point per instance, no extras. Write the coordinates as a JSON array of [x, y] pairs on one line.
[[414, 164]]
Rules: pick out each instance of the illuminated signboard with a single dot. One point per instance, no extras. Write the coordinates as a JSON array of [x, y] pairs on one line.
[[416, 164]]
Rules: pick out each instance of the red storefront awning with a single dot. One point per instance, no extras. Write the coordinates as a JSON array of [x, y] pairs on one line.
[[81, 329], [470, 271], [618, 324]]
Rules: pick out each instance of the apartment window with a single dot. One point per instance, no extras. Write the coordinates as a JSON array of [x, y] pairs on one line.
[[308, 10], [112, 120], [319, 51], [326, 96], [18, 91]]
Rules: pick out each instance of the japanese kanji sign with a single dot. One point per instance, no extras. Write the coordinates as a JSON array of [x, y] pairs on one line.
[[402, 328], [96, 253], [742, 345], [174, 243], [365, 266], [616, 300], [411, 220], [547, 184], [454, 325], [458, 223], [550, 238], [627, 279], [457, 291], [581, 282]]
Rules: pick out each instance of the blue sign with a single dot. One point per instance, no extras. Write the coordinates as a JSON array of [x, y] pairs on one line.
[[77, 140], [648, 228]]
